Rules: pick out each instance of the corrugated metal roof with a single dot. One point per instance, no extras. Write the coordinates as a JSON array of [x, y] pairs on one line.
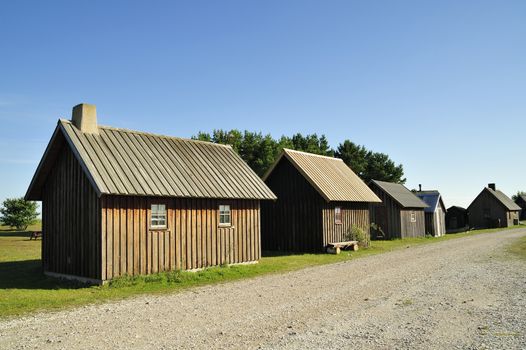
[[505, 200], [331, 177], [125, 162], [400, 194], [431, 198]]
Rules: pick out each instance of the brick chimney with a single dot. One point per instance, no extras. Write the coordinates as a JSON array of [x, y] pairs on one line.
[[84, 117], [492, 186]]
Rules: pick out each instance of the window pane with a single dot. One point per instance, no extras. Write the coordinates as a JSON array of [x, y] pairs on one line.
[[158, 215], [224, 214]]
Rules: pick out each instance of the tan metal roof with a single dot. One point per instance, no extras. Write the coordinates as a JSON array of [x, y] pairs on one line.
[[125, 162], [400, 194], [331, 177], [505, 200]]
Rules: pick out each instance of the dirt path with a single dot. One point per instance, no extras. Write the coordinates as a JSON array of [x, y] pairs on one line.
[[465, 293]]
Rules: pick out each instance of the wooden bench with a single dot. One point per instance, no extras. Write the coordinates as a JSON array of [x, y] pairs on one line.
[[335, 248], [35, 235]]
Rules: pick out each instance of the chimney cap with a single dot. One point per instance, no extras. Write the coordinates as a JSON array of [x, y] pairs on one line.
[[492, 186], [84, 117]]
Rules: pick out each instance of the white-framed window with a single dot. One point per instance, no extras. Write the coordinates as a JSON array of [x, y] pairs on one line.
[[413, 216], [337, 215], [158, 216], [224, 215]]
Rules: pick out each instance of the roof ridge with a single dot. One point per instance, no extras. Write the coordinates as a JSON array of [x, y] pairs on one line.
[[311, 154], [154, 134]]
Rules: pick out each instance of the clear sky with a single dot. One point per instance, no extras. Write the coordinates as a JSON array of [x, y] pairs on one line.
[[438, 85]]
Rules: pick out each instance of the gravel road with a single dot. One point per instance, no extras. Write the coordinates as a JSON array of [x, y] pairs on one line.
[[466, 293]]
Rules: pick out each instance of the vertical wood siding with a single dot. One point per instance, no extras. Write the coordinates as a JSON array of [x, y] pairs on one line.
[[386, 216], [294, 221], [193, 238], [71, 221], [394, 221], [436, 223], [301, 220], [499, 216], [410, 228], [353, 214]]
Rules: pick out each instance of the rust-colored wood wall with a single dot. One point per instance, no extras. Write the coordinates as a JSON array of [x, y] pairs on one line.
[[193, 238], [353, 214], [102, 238], [499, 216], [300, 220], [394, 221], [70, 221]]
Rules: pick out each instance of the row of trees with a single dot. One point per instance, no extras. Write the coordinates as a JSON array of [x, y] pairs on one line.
[[260, 151]]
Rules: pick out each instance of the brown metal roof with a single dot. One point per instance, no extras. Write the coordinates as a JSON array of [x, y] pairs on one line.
[[331, 177], [400, 194], [125, 162]]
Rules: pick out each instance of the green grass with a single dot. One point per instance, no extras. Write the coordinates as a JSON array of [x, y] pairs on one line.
[[518, 248], [24, 289]]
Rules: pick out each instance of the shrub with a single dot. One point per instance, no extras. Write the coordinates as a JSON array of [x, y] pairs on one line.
[[358, 234]]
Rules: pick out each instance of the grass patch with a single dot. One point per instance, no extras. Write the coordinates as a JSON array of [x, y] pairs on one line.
[[518, 248], [24, 289]]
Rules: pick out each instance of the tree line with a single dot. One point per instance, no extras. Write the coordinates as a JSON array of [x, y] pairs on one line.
[[260, 151]]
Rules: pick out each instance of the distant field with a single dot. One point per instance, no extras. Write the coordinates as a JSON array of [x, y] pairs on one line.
[[23, 288]]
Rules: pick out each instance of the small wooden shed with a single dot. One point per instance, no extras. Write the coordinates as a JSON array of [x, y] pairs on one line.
[[456, 219], [435, 213], [319, 200], [492, 208], [401, 213], [120, 202], [521, 202]]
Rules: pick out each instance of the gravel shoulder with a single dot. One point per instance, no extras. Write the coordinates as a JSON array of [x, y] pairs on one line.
[[466, 293]]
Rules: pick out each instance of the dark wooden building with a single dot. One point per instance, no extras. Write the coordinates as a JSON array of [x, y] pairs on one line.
[[492, 208], [319, 200], [521, 202], [456, 219], [435, 213], [119, 202], [401, 213]]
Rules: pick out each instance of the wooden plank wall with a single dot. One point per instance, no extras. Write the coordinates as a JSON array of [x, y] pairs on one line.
[[386, 215], [433, 227], [193, 238], [412, 229], [430, 223], [294, 221], [395, 221], [497, 212], [70, 221], [352, 214]]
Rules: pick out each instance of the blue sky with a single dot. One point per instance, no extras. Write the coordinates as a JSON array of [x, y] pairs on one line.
[[438, 85]]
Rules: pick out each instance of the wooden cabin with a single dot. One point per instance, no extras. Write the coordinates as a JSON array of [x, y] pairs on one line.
[[435, 212], [319, 200], [401, 214], [456, 219], [492, 208], [521, 202], [119, 202]]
